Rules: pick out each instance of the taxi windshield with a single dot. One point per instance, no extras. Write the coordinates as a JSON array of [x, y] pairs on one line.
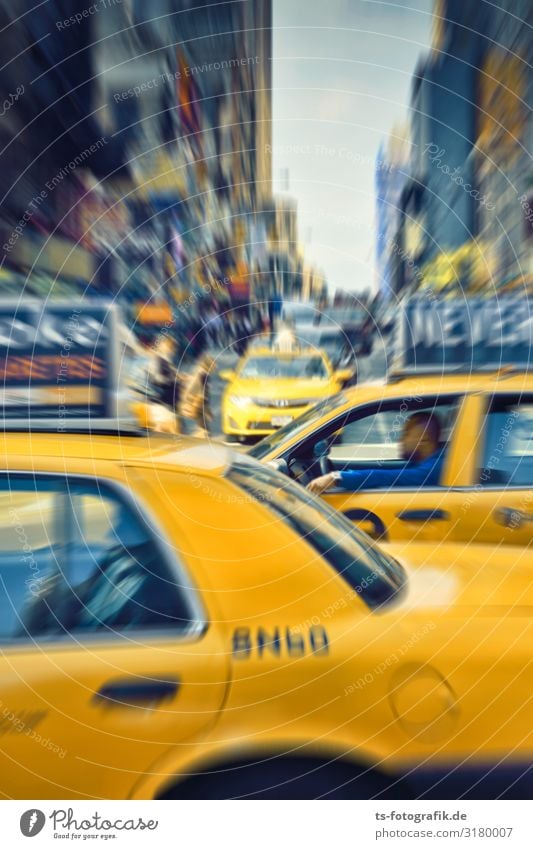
[[374, 576], [312, 416], [329, 340], [293, 367]]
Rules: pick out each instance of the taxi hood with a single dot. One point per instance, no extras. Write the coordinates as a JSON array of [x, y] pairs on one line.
[[281, 388]]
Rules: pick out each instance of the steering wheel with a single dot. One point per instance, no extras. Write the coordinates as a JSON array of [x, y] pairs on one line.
[[326, 466], [305, 469], [321, 454], [299, 472]]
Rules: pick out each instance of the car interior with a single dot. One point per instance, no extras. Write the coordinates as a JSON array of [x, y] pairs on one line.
[[90, 566], [366, 439]]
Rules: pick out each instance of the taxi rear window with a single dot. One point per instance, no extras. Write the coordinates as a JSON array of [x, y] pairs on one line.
[[78, 559], [352, 554]]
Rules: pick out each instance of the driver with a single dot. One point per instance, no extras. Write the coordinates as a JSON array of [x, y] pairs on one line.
[[420, 448]]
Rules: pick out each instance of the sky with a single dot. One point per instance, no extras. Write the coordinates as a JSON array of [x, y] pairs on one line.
[[342, 74]]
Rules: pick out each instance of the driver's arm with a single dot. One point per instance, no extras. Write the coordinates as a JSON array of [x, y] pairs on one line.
[[356, 480], [424, 474], [324, 482]]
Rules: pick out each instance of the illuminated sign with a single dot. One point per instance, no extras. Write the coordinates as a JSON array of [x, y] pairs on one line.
[[57, 359], [154, 313]]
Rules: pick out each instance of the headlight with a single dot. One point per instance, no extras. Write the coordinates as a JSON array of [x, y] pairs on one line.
[[240, 400]]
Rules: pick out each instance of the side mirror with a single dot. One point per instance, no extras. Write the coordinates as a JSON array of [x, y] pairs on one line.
[[227, 374], [342, 375]]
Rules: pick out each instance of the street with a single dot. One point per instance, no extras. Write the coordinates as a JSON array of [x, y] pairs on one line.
[[266, 403]]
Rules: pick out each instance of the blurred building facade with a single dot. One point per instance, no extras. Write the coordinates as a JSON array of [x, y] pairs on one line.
[[279, 268], [224, 59], [157, 119], [391, 173], [464, 211], [504, 142], [48, 137]]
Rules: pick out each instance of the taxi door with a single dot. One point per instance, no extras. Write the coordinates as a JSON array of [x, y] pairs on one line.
[[96, 681], [494, 503], [402, 514], [399, 513]]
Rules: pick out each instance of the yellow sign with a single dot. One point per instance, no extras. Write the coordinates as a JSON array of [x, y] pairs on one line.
[[502, 108], [154, 313]]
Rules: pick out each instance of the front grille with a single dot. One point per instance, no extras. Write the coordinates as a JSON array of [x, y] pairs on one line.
[[260, 426], [281, 403]]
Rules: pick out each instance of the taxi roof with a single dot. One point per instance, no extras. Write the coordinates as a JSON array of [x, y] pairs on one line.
[[178, 453], [436, 384]]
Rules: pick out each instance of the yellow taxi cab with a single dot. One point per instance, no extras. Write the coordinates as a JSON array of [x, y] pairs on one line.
[[485, 490], [181, 621], [272, 386]]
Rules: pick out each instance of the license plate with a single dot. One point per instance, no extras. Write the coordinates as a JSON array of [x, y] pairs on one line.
[[280, 421]]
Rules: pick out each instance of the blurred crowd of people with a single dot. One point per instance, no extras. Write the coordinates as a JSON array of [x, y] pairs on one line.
[[219, 330]]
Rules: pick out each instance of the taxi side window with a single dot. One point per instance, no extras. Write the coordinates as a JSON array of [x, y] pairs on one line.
[[75, 558], [375, 437], [508, 444]]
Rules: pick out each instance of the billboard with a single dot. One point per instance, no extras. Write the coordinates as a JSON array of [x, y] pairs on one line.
[[57, 360], [477, 334]]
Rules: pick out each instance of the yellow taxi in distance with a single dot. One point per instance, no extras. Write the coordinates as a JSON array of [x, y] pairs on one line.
[[270, 388], [180, 621]]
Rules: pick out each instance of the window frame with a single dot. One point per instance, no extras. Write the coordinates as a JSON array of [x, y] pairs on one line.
[[373, 408], [198, 621]]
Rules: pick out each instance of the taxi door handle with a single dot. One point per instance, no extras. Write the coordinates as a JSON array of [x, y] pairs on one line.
[[423, 515], [137, 692], [379, 530], [509, 517]]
